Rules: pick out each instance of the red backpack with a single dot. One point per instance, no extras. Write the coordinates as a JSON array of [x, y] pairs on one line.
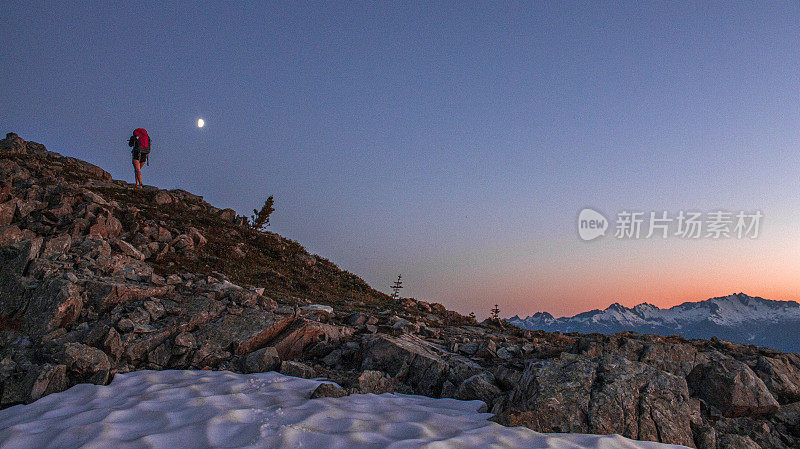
[[144, 139]]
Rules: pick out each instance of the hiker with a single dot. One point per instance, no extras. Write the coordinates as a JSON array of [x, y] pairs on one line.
[[140, 142]]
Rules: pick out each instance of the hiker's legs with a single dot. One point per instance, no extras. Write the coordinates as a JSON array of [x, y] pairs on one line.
[[137, 170]]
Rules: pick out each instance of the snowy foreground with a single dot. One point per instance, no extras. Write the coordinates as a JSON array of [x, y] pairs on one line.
[[208, 409]]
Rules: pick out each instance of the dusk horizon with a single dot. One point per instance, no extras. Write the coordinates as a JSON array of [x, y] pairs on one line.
[[455, 145]]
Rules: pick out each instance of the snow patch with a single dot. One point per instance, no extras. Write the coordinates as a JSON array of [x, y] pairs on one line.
[[220, 409]]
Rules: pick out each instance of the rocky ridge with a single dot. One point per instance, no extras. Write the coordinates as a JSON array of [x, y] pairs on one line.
[[98, 278]]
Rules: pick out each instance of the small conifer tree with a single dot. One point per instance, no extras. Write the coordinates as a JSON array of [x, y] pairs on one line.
[[398, 284], [260, 219], [496, 312]]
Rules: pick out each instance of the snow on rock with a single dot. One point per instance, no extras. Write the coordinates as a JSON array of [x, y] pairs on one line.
[[220, 409]]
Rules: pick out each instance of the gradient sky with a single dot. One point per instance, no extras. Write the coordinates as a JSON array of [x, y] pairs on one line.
[[454, 143]]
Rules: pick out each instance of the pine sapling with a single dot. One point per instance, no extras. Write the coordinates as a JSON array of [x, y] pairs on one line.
[[260, 219]]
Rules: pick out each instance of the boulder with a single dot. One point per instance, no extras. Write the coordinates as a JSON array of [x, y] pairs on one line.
[[185, 340], [127, 249], [104, 294], [311, 338], [729, 440], [360, 319], [227, 215], [94, 197], [415, 361], [262, 360], [17, 388], [139, 346], [479, 387], [182, 242], [162, 197], [112, 344], [732, 387], [780, 376], [375, 382], [57, 245], [317, 312], [243, 333], [51, 379], [87, 363], [328, 390], [13, 144], [197, 237], [125, 325], [54, 303], [13, 234], [297, 369], [159, 357], [155, 309], [603, 395], [8, 210], [403, 325], [106, 226], [16, 256], [93, 247]]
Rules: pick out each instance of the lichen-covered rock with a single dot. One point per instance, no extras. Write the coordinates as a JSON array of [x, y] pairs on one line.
[[732, 387]]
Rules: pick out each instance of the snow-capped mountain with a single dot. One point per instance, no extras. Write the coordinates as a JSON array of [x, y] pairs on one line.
[[737, 317]]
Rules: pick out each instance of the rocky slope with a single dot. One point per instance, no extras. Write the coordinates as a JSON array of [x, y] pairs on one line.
[[737, 317], [98, 278]]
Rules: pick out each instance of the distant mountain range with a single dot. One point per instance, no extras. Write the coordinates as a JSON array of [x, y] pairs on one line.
[[737, 317]]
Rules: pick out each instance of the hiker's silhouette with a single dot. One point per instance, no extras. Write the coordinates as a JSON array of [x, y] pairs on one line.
[[140, 142]]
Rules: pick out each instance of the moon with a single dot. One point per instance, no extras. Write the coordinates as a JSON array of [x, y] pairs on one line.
[[201, 123]]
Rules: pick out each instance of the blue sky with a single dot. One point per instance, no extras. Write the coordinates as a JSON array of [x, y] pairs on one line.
[[453, 142]]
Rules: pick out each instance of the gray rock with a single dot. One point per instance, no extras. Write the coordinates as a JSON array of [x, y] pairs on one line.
[[375, 382], [162, 197], [262, 360], [734, 441], [328, 390], [603, 395], [732, 387], [416, 361], [127, 249], [159, 357], [155, 309], [780, 376], [57, 245], [185, 340], [297, 369], [125, 325], [51, 379], [90, 364], [55, 303], [480, 387]]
